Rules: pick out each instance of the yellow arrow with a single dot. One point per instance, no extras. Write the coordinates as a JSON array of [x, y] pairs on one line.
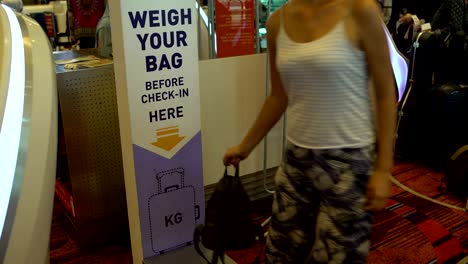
[[168, 143], [167, 138]]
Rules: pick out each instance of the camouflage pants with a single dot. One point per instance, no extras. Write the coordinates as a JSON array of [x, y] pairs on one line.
[[318, 208]]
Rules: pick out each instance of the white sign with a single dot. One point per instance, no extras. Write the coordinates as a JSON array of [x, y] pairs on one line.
[[161, 68], [161, 48]]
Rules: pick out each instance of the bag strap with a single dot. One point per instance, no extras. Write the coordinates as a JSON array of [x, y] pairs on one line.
[[236, 173], [197, 241], [217, 254]]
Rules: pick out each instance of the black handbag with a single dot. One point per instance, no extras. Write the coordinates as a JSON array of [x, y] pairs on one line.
[[228, 221]]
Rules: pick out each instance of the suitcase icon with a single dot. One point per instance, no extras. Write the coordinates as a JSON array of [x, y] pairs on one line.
[[172, 211]]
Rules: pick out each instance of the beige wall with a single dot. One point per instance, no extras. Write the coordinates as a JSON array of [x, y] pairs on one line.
[[232, 92]]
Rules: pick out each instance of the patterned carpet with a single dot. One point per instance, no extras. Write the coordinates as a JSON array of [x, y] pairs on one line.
[[411, 230], [414, 230], [64, 250]]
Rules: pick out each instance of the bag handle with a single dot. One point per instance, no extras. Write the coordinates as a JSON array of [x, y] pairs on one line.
[[236, 173]]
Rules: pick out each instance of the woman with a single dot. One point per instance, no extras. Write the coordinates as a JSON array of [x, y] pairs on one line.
[[452, 16], [322, 54], [84, 16], [403, 10], [103, 33]]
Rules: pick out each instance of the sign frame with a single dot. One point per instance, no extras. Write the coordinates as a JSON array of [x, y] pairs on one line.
[[155, 48]]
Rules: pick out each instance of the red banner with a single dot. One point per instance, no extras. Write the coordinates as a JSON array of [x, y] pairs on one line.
[[235, 27]]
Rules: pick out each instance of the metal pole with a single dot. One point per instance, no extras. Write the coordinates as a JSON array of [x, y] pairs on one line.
[[267, 92], [257, 24], [265, 140], [284, 121], [211, 19], [198, 28], [284, 116]]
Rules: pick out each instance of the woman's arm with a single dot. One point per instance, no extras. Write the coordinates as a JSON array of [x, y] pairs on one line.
[[273, 107], [373, 39]]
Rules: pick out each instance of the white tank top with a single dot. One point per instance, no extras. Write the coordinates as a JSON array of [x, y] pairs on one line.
[[326, 82]]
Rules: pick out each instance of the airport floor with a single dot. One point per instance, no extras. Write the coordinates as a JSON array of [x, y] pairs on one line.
[[409, 230]]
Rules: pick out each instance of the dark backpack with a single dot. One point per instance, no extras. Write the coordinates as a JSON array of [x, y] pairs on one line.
[[228, 221]]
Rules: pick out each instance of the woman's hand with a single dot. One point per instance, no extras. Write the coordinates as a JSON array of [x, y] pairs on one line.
[[378, 190], [234, 155]]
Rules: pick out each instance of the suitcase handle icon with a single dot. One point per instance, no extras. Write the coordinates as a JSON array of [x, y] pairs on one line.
[[171, 188], [161, 175], [175, 187]]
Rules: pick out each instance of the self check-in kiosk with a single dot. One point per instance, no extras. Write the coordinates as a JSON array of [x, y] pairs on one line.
[[28, 139]]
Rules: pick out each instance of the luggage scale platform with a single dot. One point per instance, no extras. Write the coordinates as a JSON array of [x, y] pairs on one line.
[[184, 255]]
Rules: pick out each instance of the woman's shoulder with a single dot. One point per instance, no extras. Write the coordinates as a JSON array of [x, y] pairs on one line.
[[363, 7], [273, 25], [274, 21], [366, 13]]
